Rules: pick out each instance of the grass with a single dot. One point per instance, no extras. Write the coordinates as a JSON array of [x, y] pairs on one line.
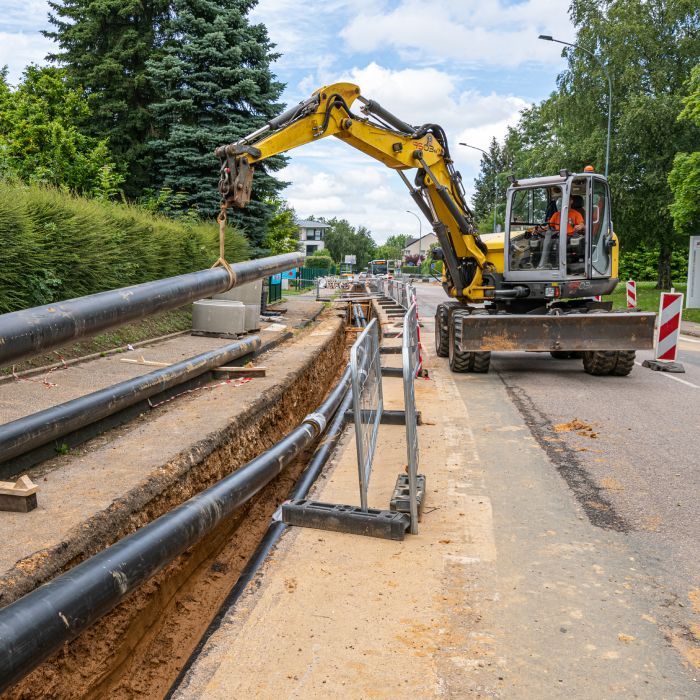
[[648, 299]]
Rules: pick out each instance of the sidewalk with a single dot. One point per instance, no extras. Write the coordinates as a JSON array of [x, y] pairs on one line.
[[690, 328]]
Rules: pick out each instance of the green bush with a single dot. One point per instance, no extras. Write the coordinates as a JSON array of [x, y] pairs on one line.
[[56, 246], [642, 264], [321, 262], [410, 269]]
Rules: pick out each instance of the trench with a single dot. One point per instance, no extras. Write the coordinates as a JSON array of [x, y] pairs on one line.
[[138, 649]]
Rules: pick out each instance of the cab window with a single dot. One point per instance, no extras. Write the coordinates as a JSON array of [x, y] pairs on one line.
[[533, 244], [600, 229]]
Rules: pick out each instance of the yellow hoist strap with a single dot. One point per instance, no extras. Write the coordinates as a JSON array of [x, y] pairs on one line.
[[221, 262]]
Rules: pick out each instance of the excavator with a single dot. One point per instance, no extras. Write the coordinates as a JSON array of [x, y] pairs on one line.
[[531, 288]]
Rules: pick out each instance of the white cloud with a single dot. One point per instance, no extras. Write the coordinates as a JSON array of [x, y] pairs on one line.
[[328, 178], [467, 31], [18, 50]]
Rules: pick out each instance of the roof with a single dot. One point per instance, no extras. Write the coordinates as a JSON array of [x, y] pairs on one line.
[[411, 241], [307, 223]]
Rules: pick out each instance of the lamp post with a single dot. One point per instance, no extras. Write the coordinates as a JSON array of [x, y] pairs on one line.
[[420, 233], [495, 179], [547, 37]]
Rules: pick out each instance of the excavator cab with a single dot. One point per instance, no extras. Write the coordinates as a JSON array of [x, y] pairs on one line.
[[559, 240]]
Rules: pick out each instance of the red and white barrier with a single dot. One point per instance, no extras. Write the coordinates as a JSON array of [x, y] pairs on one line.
[[670, 310], [631, 294], [598, 297]]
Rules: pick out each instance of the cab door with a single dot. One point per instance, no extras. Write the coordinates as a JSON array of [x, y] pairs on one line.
[[601, 231]]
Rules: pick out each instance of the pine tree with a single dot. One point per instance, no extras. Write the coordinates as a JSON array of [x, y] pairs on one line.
[[214, 73], [104, 47]]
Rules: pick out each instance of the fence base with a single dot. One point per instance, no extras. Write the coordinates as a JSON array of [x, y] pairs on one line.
[[664, 366], [389, 417], [400, 501], [350, 519]]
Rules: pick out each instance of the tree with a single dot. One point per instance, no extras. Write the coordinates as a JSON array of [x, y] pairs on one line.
[[342, 239], [649, 49], [104, 47], [684, 179], [393, 248], [215, 85], [489, 187], [40, 141], [282, 231]]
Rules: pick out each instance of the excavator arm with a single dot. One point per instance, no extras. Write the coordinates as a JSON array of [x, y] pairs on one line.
[[437, 188]]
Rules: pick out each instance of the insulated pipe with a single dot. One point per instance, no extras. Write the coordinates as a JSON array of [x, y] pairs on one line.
[[37, 625], [272, 534], [37, 429], [27, 332]]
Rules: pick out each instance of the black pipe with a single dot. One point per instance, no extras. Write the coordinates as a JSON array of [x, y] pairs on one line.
[[32, 431], [27, 332], [272, 534], [37, 625]]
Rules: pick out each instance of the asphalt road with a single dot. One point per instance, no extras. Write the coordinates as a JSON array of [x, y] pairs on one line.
[[628, 451]]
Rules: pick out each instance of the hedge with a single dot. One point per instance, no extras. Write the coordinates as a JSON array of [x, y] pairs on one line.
[[643, 264], [322, 262], [57, 246]]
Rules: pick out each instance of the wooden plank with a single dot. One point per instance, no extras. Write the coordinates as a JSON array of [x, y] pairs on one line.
[[18, 497], [142, 361]]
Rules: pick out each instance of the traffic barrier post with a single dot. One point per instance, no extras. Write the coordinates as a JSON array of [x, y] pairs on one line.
[[631, 294], [670, 310]]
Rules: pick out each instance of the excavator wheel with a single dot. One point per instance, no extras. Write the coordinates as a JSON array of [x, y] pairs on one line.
[[624, 364], [619, 363], [460, 361], [442, 330]]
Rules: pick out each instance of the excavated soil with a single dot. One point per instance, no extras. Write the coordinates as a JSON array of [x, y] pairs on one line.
[[138, 649]]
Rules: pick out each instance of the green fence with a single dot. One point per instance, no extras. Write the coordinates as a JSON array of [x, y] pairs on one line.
[[274, 289]]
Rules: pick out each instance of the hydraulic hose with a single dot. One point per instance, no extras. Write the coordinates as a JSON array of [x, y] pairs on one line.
[[37, 625], [30, 331], [29, 432]]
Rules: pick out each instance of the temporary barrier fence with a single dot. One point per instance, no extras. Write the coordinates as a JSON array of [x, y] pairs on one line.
[[670, 309], [367, 401], [411, 367]]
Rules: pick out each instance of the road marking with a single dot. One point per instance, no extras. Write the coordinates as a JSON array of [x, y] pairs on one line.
[[671, 376], [686, 339]]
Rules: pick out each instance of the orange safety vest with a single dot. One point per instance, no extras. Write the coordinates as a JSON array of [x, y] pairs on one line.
[[575, 219]]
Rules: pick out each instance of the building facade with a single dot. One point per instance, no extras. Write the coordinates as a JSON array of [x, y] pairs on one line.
[[418, 247], [311, 236]]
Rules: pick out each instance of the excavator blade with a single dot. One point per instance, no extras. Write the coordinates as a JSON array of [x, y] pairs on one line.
[[585, 331]]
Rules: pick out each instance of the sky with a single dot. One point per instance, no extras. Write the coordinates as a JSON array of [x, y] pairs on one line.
[[468, 65]]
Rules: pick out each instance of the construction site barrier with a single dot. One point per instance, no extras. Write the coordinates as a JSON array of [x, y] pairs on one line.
[[367, 401], [411, 367], [670, 310], [631, 294]]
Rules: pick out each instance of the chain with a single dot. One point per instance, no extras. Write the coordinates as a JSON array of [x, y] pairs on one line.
[[221, 262]]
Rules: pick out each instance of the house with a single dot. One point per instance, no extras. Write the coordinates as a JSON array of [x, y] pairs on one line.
[[311, 235], [418, 247]]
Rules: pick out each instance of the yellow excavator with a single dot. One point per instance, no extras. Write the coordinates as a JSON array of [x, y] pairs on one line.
[[532, 288]]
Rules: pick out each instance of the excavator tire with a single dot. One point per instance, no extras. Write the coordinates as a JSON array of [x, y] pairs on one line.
[[464, 361], [600, 362], [624, 364], [442, 330], [566, 354]]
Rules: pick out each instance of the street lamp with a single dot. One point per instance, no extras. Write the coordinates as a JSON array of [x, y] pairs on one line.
[[547, 37], [495, 180], [420, 232]]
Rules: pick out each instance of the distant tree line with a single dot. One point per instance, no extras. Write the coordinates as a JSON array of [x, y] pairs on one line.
[[651, 51]]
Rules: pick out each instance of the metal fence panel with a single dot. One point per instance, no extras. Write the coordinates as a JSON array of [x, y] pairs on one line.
[[411, 365], [367, 401]]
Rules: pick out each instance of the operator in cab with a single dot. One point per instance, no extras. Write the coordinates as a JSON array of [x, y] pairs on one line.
[[575, 223]]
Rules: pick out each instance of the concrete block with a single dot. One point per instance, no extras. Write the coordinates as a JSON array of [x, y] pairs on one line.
[[252, 317], [219, 316], [246, 293]]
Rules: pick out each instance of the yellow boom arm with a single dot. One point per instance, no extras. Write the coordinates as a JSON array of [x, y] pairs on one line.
[[400, 146]]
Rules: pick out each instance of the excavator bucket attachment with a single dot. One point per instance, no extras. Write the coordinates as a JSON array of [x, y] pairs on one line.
[[575, 332]]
